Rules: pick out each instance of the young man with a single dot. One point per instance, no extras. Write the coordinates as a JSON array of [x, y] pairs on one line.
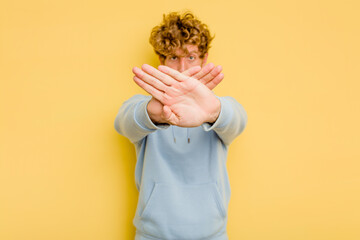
[[181, 135]]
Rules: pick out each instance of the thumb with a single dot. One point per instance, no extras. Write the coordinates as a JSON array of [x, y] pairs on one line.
[[166, 113], [169, 116]]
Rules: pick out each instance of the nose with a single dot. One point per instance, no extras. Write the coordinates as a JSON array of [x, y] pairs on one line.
[[182, 65]]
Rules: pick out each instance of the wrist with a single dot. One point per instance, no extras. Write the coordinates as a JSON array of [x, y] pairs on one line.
[[214, 114], [153, 117], [154, 111]]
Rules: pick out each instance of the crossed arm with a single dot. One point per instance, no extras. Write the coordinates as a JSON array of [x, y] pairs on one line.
[[182, 99]]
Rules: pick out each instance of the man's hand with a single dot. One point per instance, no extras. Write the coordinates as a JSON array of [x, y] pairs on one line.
[[186, 101], [210, 75]]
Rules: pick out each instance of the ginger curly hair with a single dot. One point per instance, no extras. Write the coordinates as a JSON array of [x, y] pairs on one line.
[[176, 30]]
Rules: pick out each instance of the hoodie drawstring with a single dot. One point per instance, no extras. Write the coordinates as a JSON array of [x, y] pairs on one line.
[[187, 134], [173, 133]]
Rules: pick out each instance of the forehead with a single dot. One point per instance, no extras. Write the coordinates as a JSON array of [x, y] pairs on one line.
[[190, 49]]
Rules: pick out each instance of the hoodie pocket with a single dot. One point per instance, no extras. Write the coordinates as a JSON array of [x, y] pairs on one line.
[[183, 211]]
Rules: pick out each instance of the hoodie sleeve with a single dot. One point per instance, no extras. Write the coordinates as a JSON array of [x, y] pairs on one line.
[[133, 121], [231, 121]]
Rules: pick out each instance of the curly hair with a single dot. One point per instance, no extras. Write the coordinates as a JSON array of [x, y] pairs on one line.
[[178, 30]]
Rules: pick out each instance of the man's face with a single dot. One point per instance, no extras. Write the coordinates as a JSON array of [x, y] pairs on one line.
[[181, 61]]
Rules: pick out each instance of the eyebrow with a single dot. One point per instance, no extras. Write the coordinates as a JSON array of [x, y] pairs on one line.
[[176, 55]]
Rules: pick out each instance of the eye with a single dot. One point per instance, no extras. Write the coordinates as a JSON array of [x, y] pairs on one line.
[[173, 58], [191, 57]]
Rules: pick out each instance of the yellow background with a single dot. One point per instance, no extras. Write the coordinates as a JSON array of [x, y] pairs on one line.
[[65, 69]]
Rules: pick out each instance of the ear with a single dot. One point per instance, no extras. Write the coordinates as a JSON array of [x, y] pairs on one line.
[[204, 59]]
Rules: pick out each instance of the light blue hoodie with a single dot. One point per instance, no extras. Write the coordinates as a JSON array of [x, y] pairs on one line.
[[181, 173]]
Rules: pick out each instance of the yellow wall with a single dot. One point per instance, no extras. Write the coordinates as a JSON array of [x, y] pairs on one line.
[[65, 69]]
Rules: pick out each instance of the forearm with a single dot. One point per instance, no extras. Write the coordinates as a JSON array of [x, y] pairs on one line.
[[155, 109], [230, 122], [132, 120]]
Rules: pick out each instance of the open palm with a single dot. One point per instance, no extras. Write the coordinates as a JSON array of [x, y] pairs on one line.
[[186, 101]]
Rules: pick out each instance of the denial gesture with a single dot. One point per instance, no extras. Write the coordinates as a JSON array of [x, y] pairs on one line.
[[186, 101]]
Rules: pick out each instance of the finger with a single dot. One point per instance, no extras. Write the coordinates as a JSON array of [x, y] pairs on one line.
[[211, 75], [213, 83], [169, 115], [204, 71], [166, 112], [158, 75], [149, 79], [192, 71], [175, 74], [150, 89]]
